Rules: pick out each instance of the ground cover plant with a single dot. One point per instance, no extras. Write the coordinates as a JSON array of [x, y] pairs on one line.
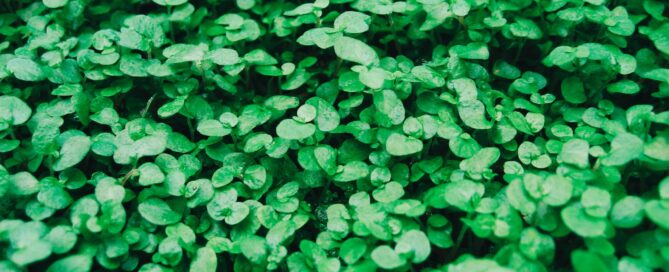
[[341, 135]]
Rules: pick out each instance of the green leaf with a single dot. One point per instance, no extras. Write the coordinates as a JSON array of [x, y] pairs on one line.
[[54, 196], [557, 190], [415, 242], [290, 129], [149, 174], [352, 171], [573, 90], [170, 2], [660, 38], [212, 128], [480, 162], [583, 261], [472, 113], [13, 111], [260, 57], [326, 157], [25, 69], [352, 250], [625, 147], [327, 117], [462, 193], [352, 22], [400, 145], [223, 56], [373, 78], [255, 176], [575, 151], [475, 51], [658, 212], [54, 3], [282, 102], [525, 28], [72, 263], [73, 151], [204, 260], [429, 77], [158, 212], [536, 245], [389, 106], [280, 232], [24, 183], [386, 258], [628, 212], [354, 50], [577, 220], [150, 145], [388, 192], [473, 264], [624, 86], [178, 53], [323, 37], [253, 248], [596, 202]]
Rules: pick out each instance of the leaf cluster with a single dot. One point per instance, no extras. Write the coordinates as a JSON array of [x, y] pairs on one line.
[[334, 135]]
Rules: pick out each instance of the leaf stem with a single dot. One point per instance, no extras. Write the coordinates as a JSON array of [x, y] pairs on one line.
[[458, 241]]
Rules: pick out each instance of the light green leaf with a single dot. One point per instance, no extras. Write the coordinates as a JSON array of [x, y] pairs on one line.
[[327, 117], [352, 250], [658, 212], [557, 190], [472, 113], [389, 106], [628, 212], [660, 38], [581, 223], [73, 151], [178, 53], [13, 110], [204, 260], [624, 86], [385, 257], [223, 56], [352, 22], [72, 263], [575, 151], [158, 212], [54, 3], [170, 2], [25, 69], [480, 162], [415, 242], [429, 77], [354, 50], [255, 176], [625, 147], [290, 129], [212, 128], [462, 193], [400, 145], [476, 51]]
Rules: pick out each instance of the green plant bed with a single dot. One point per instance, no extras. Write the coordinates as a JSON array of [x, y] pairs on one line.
[[341, 135]]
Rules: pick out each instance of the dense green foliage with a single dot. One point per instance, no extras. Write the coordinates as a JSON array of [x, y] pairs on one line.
[[340, 135]]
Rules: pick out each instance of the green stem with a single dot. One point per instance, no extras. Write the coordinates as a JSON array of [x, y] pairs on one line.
[[204, 79], [458, 241], [169, 15], [11, 134], [148, 105], [520, 49], [191, 131]]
